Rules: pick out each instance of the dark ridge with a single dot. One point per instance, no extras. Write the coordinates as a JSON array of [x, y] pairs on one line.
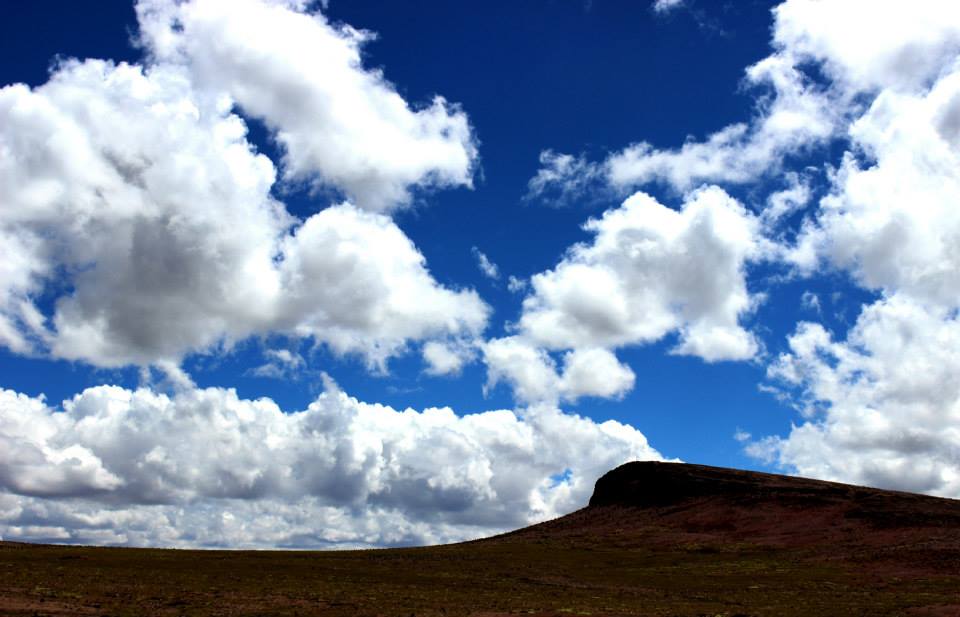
[[650, 484]]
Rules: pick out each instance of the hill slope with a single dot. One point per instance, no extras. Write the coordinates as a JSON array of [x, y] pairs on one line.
[[656, 539], [670, 504]]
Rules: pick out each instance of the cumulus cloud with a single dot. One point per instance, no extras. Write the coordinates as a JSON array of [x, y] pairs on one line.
[[336, 121], [882, 407], [164, 238], [448, 357], [884, 79], [535, 378], [528, 369], [880, 403], [795, 116], [357, 283], [783, 203], [893, 46], [594, 372], [892, 219], [811, 302], [649, 271], [861, 47], [205, 467]]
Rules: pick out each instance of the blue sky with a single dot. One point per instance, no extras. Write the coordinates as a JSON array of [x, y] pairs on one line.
[[560, 235]]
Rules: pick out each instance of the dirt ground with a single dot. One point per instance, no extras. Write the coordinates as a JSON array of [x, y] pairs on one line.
[[512, 576]]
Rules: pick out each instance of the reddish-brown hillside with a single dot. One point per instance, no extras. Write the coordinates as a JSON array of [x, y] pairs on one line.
[[672, 504]]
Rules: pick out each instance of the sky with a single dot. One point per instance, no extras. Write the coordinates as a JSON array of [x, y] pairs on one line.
[[350, 274]]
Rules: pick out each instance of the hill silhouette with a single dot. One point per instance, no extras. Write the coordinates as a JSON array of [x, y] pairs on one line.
[[656, 539], [667, 504]]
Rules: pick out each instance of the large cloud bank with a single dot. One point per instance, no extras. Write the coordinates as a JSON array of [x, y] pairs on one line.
[[883, 403], [205, 467], [140, 225]]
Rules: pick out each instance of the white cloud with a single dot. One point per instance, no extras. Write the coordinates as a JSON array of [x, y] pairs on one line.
[[650, 271], [533, 375], [594, 372], [163, 238], [564, 179], [336, 121], [865, 45], [797, 116], [529, 370], [892, 220], [487, 267], [516, 285], [281, 364], [884, 77], [205, 467], [448, 357], [354, 281], [811, 302], [662, 7], [785, 202], [882, 407]]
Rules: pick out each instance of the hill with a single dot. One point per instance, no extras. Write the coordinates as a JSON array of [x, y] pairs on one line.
[[656, 539]]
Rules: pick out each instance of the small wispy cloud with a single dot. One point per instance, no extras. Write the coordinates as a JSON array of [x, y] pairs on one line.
[[281, 364], [565, 179], [487, 267], [810, 301], [662, 7], [516, 285]]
